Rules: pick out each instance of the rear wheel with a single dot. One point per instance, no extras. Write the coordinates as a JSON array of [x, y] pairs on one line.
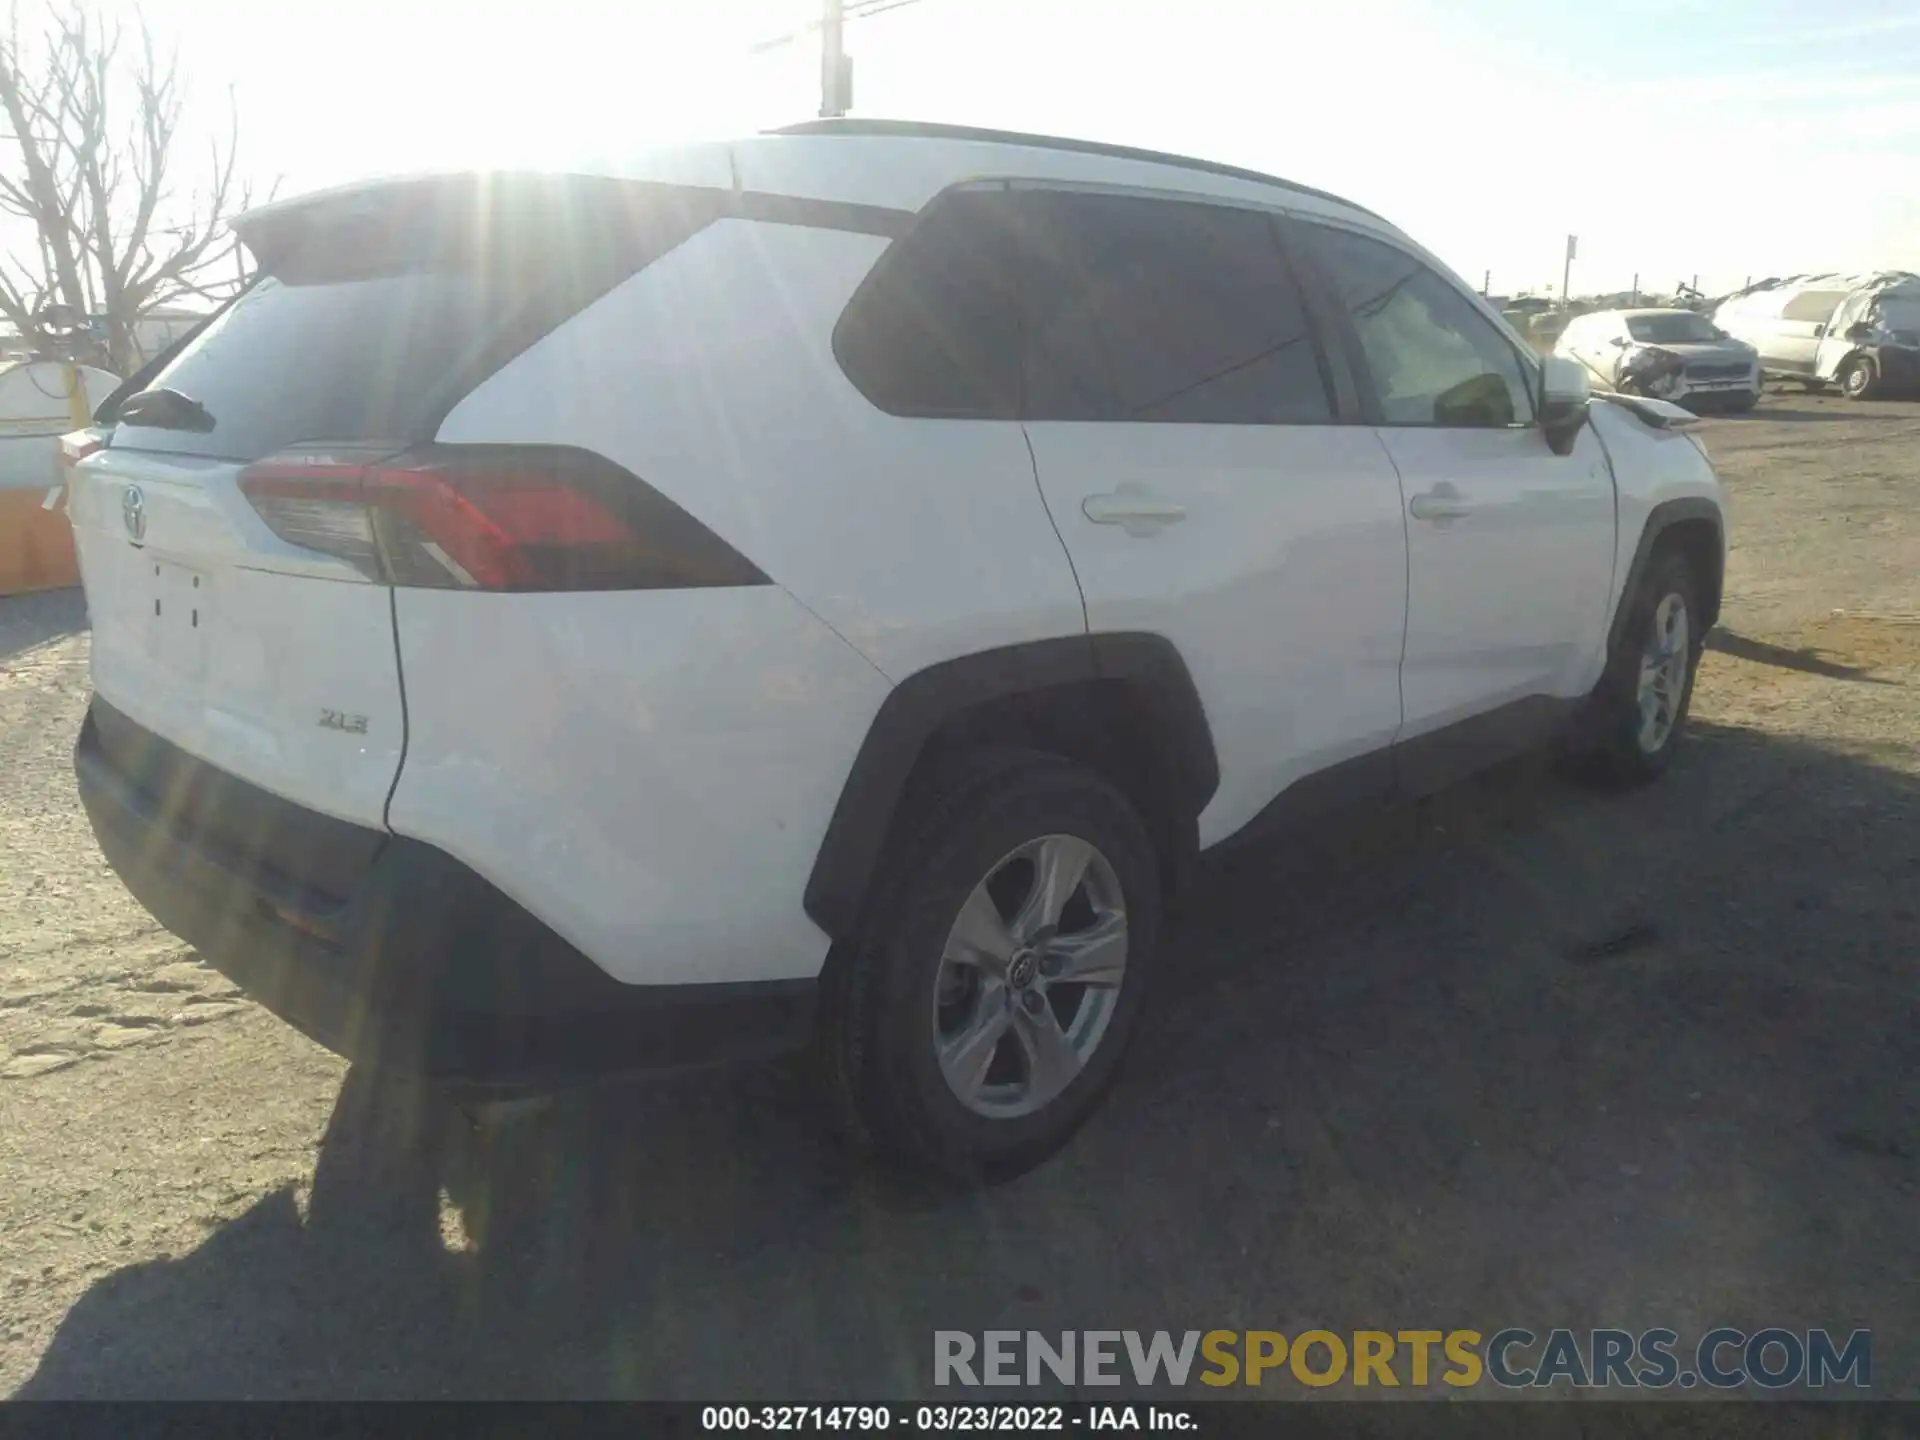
[[1860, 379], [981, 1015], [1639, 708]]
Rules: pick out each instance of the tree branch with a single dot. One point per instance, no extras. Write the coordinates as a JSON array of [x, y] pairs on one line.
[[96, 124]]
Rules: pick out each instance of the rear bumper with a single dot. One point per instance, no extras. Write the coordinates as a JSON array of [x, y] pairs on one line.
[[420, 965]]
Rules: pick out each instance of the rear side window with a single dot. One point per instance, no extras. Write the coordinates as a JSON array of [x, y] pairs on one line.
[[1814, 305], [373, 316], [935, 331], [1432, 358], [1144, 310]]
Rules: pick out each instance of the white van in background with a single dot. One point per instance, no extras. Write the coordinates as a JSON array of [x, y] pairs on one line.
[[1861, 332]]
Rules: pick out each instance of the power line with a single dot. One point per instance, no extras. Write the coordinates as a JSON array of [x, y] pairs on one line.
[[858, 10]]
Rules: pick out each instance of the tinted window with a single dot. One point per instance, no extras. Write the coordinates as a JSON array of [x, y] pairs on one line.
[[1153, 310], [372, 318], [1432, 357], [935, 330]]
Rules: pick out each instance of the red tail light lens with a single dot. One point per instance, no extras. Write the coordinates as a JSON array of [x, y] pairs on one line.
[[317, 500], [485, 517], [71, 449], [76, 445]]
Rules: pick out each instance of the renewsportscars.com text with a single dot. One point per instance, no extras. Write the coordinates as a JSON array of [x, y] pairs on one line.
[[1723, 1358]]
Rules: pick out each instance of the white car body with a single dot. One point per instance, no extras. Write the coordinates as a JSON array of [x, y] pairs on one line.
[[688, 785], [1713, 364], [1814, 327]]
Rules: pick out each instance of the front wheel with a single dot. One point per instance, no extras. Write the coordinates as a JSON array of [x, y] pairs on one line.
[[1860, 379], [1743, 403], [1639, 708], [981, 1016]]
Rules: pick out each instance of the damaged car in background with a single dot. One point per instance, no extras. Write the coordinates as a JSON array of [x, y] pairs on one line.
[[1673, 355], [1860, 332]]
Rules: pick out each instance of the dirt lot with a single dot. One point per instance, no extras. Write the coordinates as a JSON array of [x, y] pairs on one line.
[[1522, 1056]]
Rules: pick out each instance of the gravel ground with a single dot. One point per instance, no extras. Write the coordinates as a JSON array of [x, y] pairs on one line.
[[1522, 1055]]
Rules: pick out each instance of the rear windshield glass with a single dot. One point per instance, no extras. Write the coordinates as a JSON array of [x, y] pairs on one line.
[[371, 318]]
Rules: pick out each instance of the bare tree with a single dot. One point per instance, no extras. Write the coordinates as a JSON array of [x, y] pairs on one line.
[[95, 122]]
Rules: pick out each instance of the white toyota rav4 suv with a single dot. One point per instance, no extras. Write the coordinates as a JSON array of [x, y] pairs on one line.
[[825, 589]]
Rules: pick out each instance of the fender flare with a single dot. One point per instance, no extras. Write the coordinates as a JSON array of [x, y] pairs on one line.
[[1660, 519], [851, 850], [1842, 358]]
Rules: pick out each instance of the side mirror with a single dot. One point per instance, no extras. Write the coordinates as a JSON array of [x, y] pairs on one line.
[[1859, 332], [1564, 397]]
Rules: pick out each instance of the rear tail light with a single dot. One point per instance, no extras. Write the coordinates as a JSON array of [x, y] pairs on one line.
[[76, 445], [71, 449], [484, 517]]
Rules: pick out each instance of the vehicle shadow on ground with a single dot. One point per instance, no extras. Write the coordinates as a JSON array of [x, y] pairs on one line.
[[1808, 662], [30, 621], [1521, 1055]]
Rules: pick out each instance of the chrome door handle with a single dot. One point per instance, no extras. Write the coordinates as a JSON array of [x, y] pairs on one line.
[[1443, 502], [1133, 511]]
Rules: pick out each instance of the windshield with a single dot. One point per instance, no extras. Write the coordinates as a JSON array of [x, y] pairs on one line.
[[1677, 329]]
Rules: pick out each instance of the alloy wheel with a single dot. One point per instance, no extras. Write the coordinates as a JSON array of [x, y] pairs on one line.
[[1030, 976], [1663, 673]]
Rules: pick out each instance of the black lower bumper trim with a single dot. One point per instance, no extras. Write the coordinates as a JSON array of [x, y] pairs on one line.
[[425, 967], [1898, 367]]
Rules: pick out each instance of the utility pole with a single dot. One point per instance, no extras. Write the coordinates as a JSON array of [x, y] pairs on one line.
[[836, 71], [1566, 274], [1636, 287]]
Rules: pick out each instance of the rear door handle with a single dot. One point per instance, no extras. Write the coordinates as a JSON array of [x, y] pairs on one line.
[[1443, 502], [1134, 511]]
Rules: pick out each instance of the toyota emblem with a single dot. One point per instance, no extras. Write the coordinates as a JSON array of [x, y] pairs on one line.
[[133, 510]]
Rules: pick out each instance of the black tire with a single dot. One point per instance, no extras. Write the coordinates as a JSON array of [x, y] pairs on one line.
[[1743, 403], [1615, 751], [879, 1016], [1861, 379]]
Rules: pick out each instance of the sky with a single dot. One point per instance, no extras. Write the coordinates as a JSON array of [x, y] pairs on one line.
[[1717, 138]]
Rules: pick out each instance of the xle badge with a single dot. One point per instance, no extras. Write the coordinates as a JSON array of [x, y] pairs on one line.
[[340, 720]]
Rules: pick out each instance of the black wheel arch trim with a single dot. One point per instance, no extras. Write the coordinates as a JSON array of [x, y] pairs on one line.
[[916, 708], [1662, 518]]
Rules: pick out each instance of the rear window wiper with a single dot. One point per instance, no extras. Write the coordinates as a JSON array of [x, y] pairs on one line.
[[164, 409]]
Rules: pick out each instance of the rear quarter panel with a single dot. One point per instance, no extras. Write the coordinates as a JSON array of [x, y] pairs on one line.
[[649, 773], [711, 376]]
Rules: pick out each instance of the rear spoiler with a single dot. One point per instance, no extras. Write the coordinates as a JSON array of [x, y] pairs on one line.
[[1660, 414], [267, 229]]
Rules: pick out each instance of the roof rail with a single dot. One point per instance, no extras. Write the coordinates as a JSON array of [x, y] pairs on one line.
[[931, 130]]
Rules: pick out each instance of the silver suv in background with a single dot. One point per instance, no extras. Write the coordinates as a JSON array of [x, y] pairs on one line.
[[1675, 355]]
